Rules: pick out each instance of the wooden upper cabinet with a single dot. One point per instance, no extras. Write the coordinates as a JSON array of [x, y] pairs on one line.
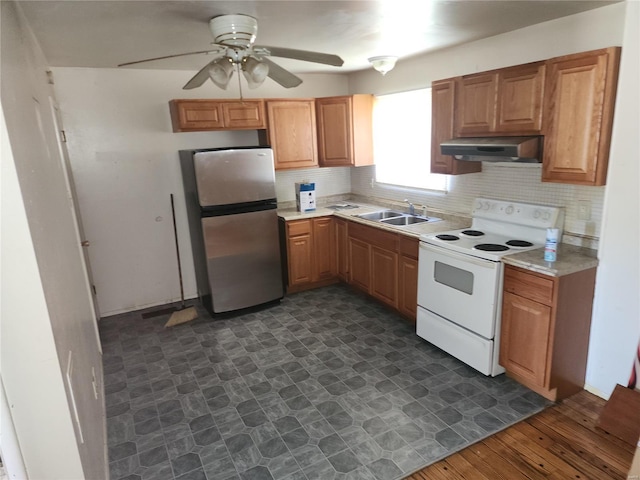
[[501, 102], [204, 115], [442, 129], [520, 93], [578, 110], [345, 130], [476, 101], [291, 133]]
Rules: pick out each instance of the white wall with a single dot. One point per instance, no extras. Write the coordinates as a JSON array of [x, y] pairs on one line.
[[46, 305], [615, 330], [615, 323], [124, 157]]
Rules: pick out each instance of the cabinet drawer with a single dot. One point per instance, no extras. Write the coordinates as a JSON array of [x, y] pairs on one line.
[[374, 236], [409, 247], [298, 227], [534, 287]]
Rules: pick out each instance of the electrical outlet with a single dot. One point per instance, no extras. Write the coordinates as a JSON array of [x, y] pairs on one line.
[[584, 210]]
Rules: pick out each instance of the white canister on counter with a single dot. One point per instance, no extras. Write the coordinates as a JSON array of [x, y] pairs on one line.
[[551, 245]]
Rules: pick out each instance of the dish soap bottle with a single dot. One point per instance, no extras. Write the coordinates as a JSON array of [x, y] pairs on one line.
[[551, 245]]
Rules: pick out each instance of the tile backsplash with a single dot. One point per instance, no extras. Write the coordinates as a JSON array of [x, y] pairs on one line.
[[503, 181]]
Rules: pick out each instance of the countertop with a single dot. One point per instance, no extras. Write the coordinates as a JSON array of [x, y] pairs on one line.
[[448, 222], [570, 259]]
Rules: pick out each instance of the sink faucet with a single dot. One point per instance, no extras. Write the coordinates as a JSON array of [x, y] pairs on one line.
[[412, 209]]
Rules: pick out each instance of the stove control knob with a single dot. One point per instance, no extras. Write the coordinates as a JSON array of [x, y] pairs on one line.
[[546, 215], [486, 206], [509, 210], [536, 214], [478, 205]]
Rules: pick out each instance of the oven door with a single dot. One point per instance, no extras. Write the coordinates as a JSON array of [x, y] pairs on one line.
[[460, 288]]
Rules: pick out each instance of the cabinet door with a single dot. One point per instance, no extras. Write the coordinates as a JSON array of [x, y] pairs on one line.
[[408, 286], [247, 114], [524, 338], [196, 115], [578, 110], [476, 104], [442, 124], [520, 91], [292, 133], [324, 258], [335, 135], [299, 250], [359, 264], [345, 131], [384, 275], [342, 249]]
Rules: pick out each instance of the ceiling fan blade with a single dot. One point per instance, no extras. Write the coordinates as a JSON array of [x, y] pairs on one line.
[[280, 75], [217, 50], [307, 56], [199, 78]]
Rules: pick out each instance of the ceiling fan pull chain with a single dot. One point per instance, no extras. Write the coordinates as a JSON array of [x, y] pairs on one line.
[[239, 80]]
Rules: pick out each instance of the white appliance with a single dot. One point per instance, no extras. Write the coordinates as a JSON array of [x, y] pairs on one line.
[[460, 277]]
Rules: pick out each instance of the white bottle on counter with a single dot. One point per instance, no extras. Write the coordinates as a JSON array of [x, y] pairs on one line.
[[551, 245]]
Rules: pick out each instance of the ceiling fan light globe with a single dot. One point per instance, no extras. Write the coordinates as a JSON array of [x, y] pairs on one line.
[[254, 71], [383, 63], [220, 72], [234, 30]]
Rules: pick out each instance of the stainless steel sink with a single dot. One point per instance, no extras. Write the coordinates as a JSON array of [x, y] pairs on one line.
[[406, 220], [380, 215], [393, 217]]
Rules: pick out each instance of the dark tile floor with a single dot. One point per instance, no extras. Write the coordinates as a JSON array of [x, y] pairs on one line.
[[327, 385]]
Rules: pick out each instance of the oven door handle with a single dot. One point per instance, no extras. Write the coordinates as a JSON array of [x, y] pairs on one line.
[[460, 256]]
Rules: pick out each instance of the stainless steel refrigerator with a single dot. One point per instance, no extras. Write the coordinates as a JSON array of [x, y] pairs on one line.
[[231, 203]]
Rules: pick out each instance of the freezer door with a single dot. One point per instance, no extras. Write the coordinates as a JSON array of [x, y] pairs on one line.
[[243, 259], [224, 177]]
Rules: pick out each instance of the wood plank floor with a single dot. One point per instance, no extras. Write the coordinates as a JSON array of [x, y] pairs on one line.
[[562, 442]]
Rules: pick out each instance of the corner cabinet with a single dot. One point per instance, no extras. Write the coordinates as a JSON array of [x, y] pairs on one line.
[[291, 133], [310, 253], [544, 337], [578, 108], [345, 131], [207, 115], [443, 95]]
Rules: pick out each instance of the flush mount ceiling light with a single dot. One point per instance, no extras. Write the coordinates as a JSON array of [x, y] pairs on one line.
[[384, 63]]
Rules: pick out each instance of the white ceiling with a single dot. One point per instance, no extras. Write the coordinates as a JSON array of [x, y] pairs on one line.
[[97, 33]]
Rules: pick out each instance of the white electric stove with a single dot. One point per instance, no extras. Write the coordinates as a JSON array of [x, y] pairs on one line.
[[460, 277]]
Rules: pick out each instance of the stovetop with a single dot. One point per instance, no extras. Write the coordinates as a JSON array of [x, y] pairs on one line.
[[500, 228]]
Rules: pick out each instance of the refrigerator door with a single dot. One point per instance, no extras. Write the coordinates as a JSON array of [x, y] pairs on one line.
[[230, 176], [243, 259]]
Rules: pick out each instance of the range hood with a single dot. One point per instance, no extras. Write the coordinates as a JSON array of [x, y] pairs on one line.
[[494, 149]]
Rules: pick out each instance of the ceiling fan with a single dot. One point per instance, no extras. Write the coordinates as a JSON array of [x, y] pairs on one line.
[[234, 36]]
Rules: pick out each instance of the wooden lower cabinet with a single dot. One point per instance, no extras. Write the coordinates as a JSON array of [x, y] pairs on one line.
[[545, 328], [384, 275], [325, 250], [342, 249], [384, 265], [311, 253], [360, 264], [408, 277]]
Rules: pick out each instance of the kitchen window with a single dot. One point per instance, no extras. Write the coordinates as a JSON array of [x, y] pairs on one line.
[[402, 140]]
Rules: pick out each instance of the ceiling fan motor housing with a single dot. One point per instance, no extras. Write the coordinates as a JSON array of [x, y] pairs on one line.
[[234, 30]]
